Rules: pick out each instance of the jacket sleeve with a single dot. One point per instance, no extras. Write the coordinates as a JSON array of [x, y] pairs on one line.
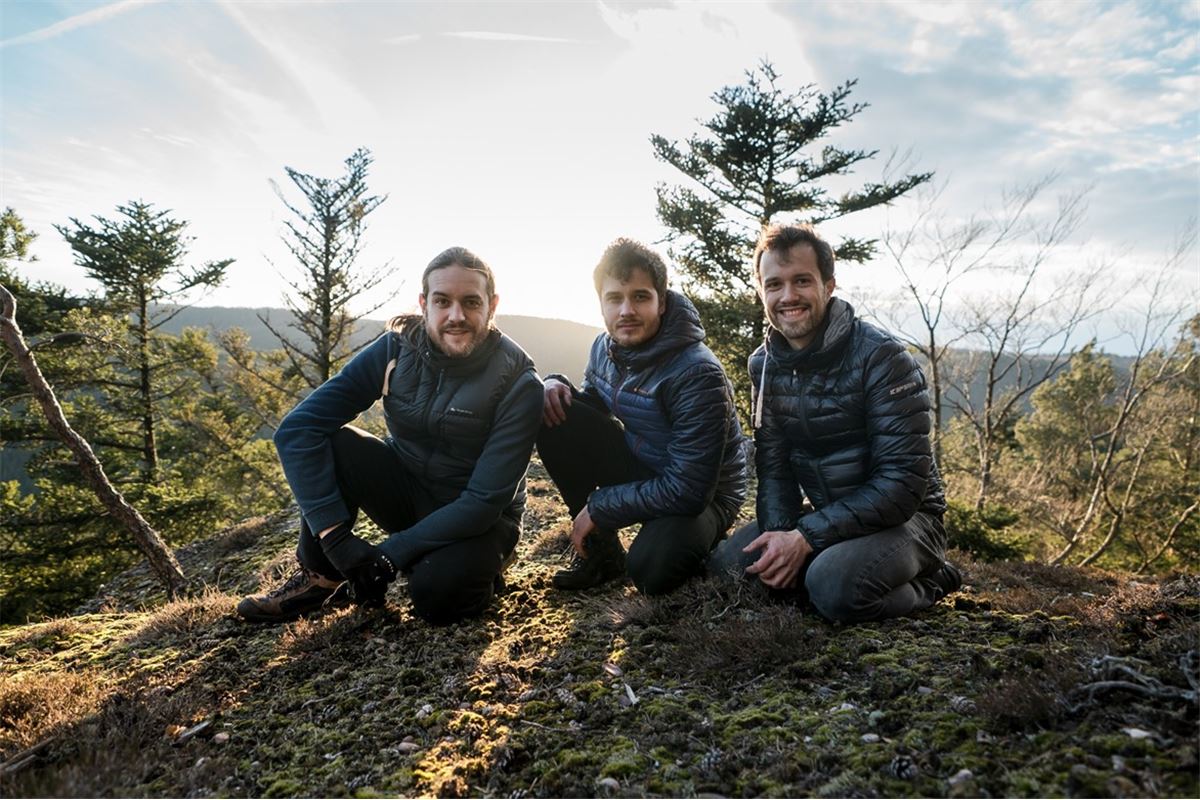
[[494, 481], [898, 423], [303, 437], [698, 405], [778, 501]]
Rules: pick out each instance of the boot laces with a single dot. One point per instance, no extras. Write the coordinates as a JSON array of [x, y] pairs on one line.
[[298, 578]]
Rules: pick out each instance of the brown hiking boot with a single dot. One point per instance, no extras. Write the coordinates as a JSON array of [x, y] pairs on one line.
[[304, 592], [605, 562]]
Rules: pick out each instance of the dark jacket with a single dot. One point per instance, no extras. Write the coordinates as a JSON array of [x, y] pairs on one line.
[[676, 405], [464, 427], [845, 422]]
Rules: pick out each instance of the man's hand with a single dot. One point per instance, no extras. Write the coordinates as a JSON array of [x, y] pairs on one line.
[[364, 565], [783, 554], [580, 530], [556, 401]]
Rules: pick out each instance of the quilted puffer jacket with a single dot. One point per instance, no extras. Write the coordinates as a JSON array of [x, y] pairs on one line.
[[676, 405], [464, 427], [846, 423]]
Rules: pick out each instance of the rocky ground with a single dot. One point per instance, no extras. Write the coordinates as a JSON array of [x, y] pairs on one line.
[[1031, 682]]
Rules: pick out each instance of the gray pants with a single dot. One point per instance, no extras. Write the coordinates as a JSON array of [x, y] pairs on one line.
[[881, 575]]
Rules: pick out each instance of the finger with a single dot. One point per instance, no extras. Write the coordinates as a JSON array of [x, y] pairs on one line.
[[760, 541], [764, 563], [559, 399]]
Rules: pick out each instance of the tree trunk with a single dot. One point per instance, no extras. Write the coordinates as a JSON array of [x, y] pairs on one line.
[[149, 446], [162, 560]]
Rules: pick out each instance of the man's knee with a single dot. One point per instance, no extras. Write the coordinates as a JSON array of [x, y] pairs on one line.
[[835, 595], [442, 599], [659, 570]]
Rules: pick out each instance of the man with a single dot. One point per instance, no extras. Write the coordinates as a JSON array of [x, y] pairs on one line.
[[462, 404], [842, 419], [650, 437]]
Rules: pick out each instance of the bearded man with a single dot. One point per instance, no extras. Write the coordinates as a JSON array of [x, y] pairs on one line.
[[462, 404], [849, 502]]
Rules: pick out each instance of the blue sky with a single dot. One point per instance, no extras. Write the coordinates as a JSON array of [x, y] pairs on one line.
[[521, 129]]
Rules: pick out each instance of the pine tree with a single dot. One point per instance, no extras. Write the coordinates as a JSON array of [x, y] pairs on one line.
[[325, 237], [138, 260], [755, 163]]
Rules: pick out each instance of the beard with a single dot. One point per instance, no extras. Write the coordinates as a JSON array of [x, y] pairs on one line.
[[457, 341], [797, 327]]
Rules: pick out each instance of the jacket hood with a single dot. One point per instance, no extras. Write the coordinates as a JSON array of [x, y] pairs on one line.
[[680, 328]]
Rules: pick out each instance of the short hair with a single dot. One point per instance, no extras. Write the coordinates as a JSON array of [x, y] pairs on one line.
[[623, 256], [779, 238], [462, 257]]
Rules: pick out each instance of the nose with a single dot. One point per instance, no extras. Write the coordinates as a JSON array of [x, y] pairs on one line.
[[790, 293], [626, 307], [456, 312]]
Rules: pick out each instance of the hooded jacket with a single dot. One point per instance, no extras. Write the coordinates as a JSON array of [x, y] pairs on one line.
[[845, 422], [463, 427], [676, 406]]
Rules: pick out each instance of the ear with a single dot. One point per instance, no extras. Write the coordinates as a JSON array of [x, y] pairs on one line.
[[662, 304], [830, 285], [421, 302], [492, 306]]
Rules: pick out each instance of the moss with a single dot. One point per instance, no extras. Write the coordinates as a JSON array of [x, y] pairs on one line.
[[735, 696]]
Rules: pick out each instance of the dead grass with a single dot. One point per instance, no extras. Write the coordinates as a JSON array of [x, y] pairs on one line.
[[240, 536], [36, 705], [185, 615]]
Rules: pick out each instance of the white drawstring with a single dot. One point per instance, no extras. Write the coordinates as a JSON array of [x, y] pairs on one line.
[[762, 387]]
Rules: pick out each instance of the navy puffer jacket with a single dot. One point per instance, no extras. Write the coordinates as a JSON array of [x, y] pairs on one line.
[[845, 422], [676, 405]]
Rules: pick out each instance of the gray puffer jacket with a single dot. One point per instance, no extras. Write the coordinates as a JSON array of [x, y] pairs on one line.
[[846, 423]]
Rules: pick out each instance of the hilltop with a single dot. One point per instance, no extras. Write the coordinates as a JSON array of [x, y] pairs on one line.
[[555, 345], [1033, 681]]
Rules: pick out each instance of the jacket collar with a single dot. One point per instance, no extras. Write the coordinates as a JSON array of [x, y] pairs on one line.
[[830, 340]]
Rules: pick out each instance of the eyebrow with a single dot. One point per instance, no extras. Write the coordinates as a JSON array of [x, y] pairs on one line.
[[468, 296]]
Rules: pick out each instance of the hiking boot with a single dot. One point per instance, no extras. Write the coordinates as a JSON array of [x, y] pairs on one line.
[[304, 592], [605, 562]]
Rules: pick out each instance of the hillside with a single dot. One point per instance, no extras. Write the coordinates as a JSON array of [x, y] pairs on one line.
[[556, 345], [1031, 682]]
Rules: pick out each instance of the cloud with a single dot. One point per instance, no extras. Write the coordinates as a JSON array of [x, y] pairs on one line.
[[498, 36], [76, 22]]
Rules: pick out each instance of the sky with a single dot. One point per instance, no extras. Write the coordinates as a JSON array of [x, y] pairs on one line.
[[521, 130]]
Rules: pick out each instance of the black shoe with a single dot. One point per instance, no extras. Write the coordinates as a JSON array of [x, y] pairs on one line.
[[304, 592], [605, 562], [946, 580]]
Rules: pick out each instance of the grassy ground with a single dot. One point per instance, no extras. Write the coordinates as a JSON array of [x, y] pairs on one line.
[[1031, 682]]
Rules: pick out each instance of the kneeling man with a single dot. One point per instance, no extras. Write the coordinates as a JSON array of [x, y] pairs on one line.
[[841, 417], [462, 404], [650, 437]]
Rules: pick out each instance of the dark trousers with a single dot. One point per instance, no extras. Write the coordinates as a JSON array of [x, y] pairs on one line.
[[445, 585], [588, 450], [881, 575]]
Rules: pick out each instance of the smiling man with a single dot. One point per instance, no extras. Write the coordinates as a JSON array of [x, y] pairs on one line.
[[462, 404], [841, 419], [651, 437]]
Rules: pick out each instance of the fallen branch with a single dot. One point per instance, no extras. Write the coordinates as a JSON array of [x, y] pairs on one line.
[[1112, 669]]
